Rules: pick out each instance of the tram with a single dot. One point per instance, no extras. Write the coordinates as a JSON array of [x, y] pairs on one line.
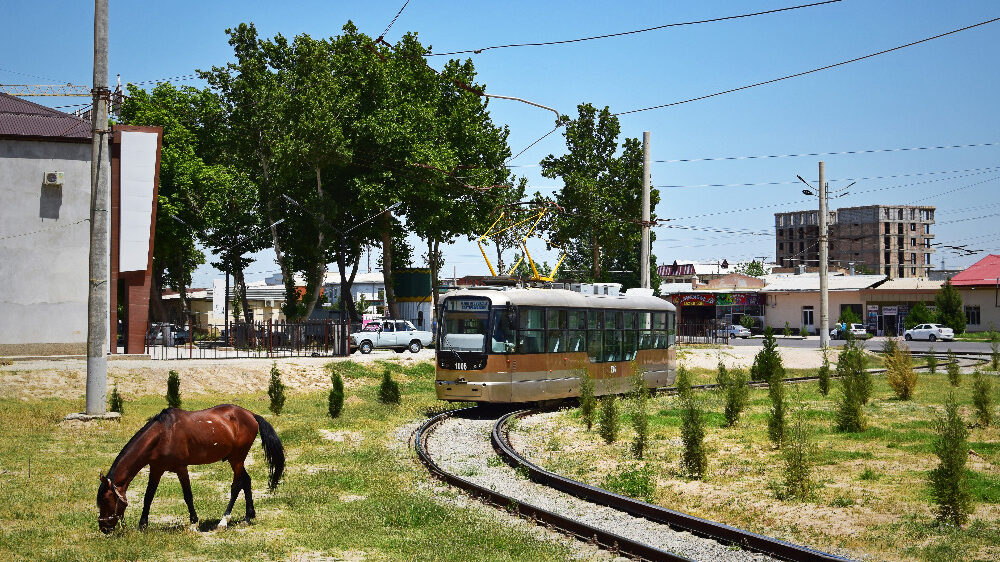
[[530, 344]]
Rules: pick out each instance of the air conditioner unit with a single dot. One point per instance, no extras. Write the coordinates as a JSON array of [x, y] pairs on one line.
[[52, 179]]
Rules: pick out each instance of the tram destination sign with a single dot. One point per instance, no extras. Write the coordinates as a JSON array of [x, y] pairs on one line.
[[476, 305]]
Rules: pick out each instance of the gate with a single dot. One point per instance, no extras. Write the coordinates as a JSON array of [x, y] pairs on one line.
[[702, 332]]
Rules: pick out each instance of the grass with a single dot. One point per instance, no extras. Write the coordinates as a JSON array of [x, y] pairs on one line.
[[872, 499], [350, 499]]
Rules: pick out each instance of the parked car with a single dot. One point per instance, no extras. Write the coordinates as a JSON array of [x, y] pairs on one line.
[[155, 334], [856, 330], [736, 331], [398, 335], [929, 332]]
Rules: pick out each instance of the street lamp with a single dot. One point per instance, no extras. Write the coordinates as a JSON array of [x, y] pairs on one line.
[[342, 234]]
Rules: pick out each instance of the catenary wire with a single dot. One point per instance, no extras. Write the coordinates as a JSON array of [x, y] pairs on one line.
[[403, 7], [803, 73], [623, 33], [56, 227], [832, 180], [839, 153]]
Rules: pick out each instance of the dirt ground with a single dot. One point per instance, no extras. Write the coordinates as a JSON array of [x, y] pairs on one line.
[[67, 378], [742, 356]]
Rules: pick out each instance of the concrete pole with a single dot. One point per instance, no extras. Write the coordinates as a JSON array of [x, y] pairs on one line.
[[98, 299], [644, 253], [824, 295]]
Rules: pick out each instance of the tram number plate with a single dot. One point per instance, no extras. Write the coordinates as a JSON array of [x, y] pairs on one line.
[[461, 367]]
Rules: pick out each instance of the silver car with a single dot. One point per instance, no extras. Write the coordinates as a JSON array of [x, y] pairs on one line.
[[929, 332], [398, 335]]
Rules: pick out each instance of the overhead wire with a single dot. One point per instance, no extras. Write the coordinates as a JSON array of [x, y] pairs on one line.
[[393, 21], [623, 33], [811, 71]]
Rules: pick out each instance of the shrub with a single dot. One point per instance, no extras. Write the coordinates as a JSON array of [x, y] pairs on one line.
[[276, 391], [900, 374], [607, 422], [722, 377], [787, 331], [949, 483], [173, 389], [931, 360], [588, 403], [798, 458], [994, 350], [803, 332], [848, 316], [982, 398], [116, 402], [335, 401], [388, 390], [632, 482], [954, 374], [776, 423], [889, 347], [640, 417], [694, 459], [683, 381], [851, 370], [747, 321], [824, 375], [918, 314], [737, 393], [767, 362]]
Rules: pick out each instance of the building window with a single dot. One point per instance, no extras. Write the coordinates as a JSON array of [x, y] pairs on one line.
[[887, 228], [972, 315], [781, 246], [899, 228], [807, 316], [913, 227], [913, 271], [887, 213], [887, 241], [802, 246], [901, 271], [888, 271], [781, 232], [927, 229], [902, 258], [900, 214], [927, 242], [913, 257], [913, 213], [802, 233], [887, 256], [899, 242], [927, 259], [913, 242]]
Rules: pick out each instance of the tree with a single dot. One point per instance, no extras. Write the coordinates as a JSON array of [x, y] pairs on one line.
[[640, 414], [335, 400], [848, 316], [737, 393], [824, 375], [948, 307], [276, 391], [600, 198], [851, 368], [751, 268], [607, 422], [899, 372], [949, 481], [767, 363], [982, 398], [588, 403], [919, 314]]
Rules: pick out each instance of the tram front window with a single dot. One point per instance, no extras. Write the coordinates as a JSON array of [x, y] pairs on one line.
[[464, 325]]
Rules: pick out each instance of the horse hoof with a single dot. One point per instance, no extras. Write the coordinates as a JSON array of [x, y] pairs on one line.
[[193, 528], [223, 523]]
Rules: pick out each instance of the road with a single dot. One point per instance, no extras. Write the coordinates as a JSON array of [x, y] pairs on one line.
[[873, 343]]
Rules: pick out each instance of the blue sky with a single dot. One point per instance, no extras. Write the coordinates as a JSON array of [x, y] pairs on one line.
[[938, 93]]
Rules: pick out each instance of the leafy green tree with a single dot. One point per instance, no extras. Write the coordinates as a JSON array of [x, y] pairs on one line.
[[737, 393], [787, 332], [751, 268], [601, 196], [388, 390], [694, 458], [954, 371], [777, 424], [747, 321], [824, 375], [948, 307], [848, 316], [932, 360], [798, 457], [683, 381], [767, 362], [982, 398], [335, 401], [607, 423], [173, 389], [949, 481], [588, 403], [900, 374], [918, 314], [850, 404], [640, 414], [116, 404], [276, 391]]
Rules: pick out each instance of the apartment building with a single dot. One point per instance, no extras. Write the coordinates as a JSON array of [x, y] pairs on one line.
[[893, 240]]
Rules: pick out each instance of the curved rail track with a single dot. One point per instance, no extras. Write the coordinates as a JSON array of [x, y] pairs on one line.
[[603, 538]]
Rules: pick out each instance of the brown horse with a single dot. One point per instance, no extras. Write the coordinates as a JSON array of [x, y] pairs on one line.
[[174, 439]]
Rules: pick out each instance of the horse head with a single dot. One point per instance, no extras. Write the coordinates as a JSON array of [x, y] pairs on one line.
[[111, 504]]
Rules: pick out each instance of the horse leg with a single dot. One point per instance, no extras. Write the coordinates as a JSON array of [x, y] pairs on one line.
[[248, 496], [154, 481], [234, 490], [182, 475]]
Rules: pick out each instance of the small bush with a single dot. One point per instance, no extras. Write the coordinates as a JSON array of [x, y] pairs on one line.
[[777, 426], [982, 398], [767, 362], [994, 350], [747, 321], [694, 459], [900, 374], [637, 483], [824, 375], [869, 474], [798, 456], [949, 482], [737, 394], [388, 391], [889, 347], [173, 389], [803, 331], [640, 416], [954, 374], [335, 401], [276, 391], [932, 361], [683, 381], [851, 370], [115, 401], [722, 377], [607, 423], [588, 403], [787, 331]]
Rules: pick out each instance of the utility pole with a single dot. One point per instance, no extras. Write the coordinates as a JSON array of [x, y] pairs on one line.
[[824, 295], [644, 253], [98, 298]]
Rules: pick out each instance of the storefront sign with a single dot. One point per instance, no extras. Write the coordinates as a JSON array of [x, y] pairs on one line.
[[693, 300], [889, 310]]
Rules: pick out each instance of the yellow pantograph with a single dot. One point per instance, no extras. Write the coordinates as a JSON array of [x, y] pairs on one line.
[[537, 217]]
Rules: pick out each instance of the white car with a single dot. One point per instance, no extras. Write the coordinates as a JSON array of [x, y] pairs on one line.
[[856, 330], [738, 331], [929, 332], [398, 335]]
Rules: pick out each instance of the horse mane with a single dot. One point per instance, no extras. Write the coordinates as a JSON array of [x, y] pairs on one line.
[[163, 416]]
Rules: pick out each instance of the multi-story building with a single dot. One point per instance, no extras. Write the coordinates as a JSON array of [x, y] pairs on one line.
[[894, 240]]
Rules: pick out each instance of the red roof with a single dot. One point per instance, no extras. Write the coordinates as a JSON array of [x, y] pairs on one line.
[[21, 118], [984, 272]]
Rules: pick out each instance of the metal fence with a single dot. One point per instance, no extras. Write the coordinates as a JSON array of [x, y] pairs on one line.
[[701, 332], [257, 339]]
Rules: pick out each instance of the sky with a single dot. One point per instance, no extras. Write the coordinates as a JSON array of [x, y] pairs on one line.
[[940, 93]]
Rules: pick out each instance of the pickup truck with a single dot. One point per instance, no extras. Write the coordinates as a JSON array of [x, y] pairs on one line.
[[398, 335]]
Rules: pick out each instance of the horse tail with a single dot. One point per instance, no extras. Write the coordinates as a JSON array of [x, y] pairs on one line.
[[274, 452]]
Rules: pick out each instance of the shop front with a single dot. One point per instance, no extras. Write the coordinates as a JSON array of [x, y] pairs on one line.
[[718, 307]]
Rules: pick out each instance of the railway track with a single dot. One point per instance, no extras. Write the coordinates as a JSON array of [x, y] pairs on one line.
[[598, 535]]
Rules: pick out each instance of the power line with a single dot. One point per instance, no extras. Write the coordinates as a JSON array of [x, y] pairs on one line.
[[393, 20], [622, 33], [840, 153], [984, 170], [538, 140], [50, 79], [56, 227], [797, 74], [179, 78], [956, 189]]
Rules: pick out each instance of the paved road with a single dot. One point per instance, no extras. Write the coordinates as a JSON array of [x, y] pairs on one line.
[[873, 343]]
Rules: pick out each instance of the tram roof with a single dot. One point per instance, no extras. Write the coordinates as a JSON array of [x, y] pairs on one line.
[[564, 298]]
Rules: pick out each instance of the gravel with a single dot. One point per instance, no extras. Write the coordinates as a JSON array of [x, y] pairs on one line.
[[462, 446]]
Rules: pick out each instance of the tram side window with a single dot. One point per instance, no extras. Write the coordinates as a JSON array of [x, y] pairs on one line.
[[630, 336], [498, 335], [671, 329], [577, 339], [660, 340], [645, 330], [530, 333], [594, 345], [556, 334], [612, 344]]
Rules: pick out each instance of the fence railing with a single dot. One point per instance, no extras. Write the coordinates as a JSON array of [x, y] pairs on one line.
[[316, 338], [701, 332]]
